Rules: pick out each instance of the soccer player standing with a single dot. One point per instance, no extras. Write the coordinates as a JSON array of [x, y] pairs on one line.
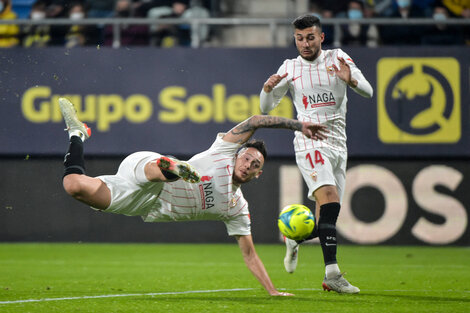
[[317, 80]]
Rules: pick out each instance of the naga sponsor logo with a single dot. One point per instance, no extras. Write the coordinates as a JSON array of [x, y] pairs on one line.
[[206, 190], [419, 100], [318, 100]]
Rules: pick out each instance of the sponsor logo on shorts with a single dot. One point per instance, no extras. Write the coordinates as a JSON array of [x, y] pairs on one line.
[[314, 176]]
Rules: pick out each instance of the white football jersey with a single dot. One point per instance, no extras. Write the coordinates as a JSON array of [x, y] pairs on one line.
[[214, 198], [319, 96]]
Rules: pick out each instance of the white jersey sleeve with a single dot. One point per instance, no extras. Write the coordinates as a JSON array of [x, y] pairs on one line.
[[363, 87], [270, 100]]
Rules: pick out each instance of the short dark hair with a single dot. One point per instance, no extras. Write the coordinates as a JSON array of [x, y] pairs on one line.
[[306, 21], [258, 144]]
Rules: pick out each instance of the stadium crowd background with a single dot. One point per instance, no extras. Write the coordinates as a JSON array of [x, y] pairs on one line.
[[359, 34]]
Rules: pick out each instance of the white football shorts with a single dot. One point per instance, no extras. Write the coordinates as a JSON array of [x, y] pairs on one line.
[[131, 192], [323, 166]]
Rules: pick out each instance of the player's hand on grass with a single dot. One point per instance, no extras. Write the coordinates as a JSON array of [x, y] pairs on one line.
[[272, 82], [281, 294], [314, 131]]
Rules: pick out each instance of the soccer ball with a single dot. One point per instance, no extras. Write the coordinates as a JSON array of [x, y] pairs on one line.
[[296, 221]]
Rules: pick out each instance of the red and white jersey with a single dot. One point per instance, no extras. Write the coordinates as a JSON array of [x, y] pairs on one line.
[[214, 198], [319, 96]]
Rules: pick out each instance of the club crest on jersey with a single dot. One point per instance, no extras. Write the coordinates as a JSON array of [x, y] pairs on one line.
[[318, 100], [330, 70], [233, 202]]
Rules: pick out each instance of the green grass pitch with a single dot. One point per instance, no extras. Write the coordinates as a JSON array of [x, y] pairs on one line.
[[213, 278]]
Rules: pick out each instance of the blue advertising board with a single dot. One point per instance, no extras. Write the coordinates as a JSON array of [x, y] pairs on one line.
[[176, 100]]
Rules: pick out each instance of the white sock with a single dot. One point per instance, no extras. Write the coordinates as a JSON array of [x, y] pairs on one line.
[[332, 270]]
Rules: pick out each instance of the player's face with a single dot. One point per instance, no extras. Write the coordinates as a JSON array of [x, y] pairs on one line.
[[248, 165], [308, 42]]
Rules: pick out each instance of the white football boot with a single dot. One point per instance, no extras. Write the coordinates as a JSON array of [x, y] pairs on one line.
[[179, 168], [292, 253], [74, 126], [339, 284]]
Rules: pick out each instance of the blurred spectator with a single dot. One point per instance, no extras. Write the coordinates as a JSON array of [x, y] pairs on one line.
[[169, 35], [373, 35], [77, 34], [100, 8], [337, 8], [387, 7], [58, 9], [144, 6], [426, 5], [441, 33], [355, 34], [130, 35], [196, 10], [8, 33], [382, 6], [37, 35], [316, 9], [403, 34], [458, 8]]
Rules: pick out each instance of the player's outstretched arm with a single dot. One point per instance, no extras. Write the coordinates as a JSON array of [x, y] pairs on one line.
[[243, 131], [254, 264], [359, 84]]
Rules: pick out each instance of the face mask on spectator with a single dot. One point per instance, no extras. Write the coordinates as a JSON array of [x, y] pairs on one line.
[[355, 14], [38, 15], [77, 15], [439, 16], [403, 3]]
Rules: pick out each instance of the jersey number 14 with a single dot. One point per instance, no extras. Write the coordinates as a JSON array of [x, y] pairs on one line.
[[318, 158]]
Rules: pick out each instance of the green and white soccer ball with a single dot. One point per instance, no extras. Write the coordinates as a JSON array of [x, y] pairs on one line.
[[296, 221]]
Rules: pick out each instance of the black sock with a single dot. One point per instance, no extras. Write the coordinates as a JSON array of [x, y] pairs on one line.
[[327, 231], [74, 162]]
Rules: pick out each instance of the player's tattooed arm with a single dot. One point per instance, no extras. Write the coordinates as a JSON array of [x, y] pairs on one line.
[[243, 131]]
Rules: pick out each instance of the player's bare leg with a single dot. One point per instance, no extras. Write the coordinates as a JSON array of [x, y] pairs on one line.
[[89, 190]]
